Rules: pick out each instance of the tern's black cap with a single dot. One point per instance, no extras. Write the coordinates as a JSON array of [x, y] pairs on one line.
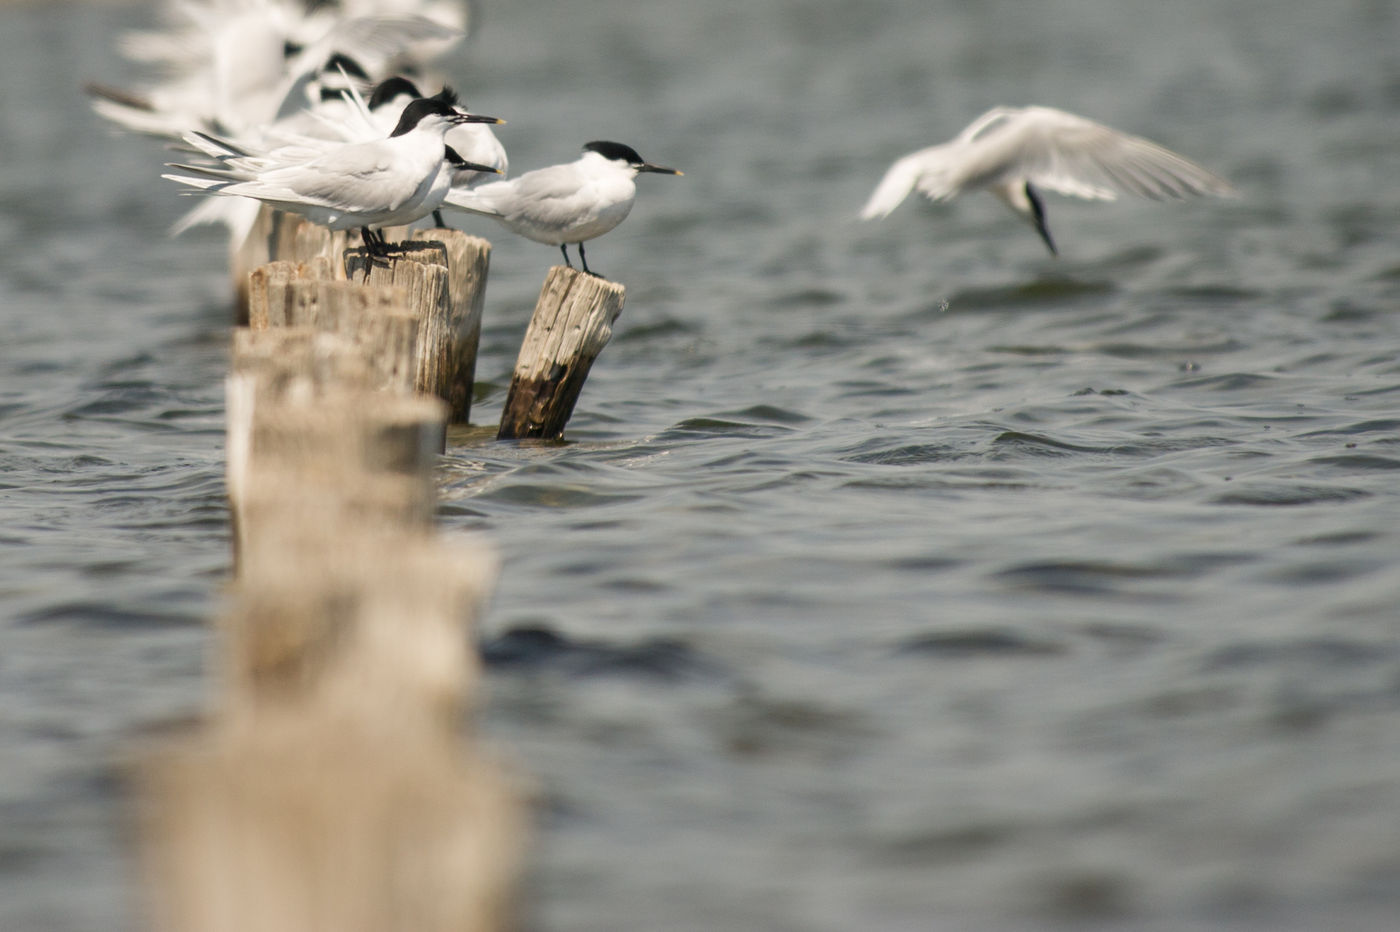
[[393, 87], [616, 151], [416, 110]]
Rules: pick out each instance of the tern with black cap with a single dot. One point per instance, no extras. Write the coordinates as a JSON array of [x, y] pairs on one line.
[[384, 182], [563, 204]]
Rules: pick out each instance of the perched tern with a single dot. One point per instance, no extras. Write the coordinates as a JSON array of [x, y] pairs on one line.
[[390, 181], [1014, 151], [471, 143], [567, 203]]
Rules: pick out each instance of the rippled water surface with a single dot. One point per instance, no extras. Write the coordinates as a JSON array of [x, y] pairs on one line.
[[894, 576]]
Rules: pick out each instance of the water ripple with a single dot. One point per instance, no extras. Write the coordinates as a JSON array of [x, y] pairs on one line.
[[540, 648]]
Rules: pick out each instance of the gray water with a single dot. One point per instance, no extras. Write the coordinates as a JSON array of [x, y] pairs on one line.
[[895, 576]]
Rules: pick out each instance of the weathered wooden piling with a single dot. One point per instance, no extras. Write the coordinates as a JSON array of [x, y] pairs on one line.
[[292, 821], [276, 235], [307, 417], [469, 260], [572, 323], [267, 289], [331, 787], [444, 275], [294, 238]]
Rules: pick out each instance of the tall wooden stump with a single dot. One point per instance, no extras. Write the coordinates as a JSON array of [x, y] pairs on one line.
[[468, 259], [312, 439], [332, 787], [444, 273], [377, 321], [571, 324]]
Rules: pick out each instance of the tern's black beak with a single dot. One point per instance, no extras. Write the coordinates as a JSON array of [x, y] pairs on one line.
[[461, 164], [474, 118], [659, 169]]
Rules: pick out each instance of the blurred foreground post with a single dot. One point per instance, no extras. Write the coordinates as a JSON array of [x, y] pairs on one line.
[[572, 323], [333, 786]]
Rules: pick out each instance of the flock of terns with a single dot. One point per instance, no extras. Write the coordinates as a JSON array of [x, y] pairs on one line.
[[331, 112]]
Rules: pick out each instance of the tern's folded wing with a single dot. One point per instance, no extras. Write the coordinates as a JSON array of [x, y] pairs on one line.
[[348, 181]]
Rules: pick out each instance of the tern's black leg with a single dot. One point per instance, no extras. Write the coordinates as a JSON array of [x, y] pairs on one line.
[[564, 248], [1038, 212], [584, 259], [437, 218], [374, 242], [375, 248]]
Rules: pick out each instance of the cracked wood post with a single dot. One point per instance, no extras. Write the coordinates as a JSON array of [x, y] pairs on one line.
[[298, 397], [278, 236], [375, 320], [468, 260], [294, 238], [267, 289], [444, 272], [571, 324]]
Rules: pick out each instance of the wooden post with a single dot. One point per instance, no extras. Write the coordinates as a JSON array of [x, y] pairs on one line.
[[468, 261], [380, 622], [305, 820], [246, 256], [310, 399], [375, 320], [571, 324], [332, 788], [447, 297], [296, 239], [267, 289]]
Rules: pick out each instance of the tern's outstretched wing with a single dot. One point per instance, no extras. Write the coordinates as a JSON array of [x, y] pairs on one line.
[[901, 178], [1074, 156]]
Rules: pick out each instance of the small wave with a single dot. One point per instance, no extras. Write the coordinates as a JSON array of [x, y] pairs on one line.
[[1331, 653], [1288, 495], [553, 495], [1018, 442], [1228, 382], [1040, 293], [991, 642], [908, 455], [1358, 461], [715, 427], [539, 648]]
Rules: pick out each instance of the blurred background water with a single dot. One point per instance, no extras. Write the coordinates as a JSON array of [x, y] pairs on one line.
[[895, 576]]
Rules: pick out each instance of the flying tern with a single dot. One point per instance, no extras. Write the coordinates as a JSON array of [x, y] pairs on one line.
[[567, 203], [1013, 152], [390, 181]]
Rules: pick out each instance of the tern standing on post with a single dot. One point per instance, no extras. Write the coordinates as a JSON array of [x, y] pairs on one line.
[[386, 182], [567, 203]]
